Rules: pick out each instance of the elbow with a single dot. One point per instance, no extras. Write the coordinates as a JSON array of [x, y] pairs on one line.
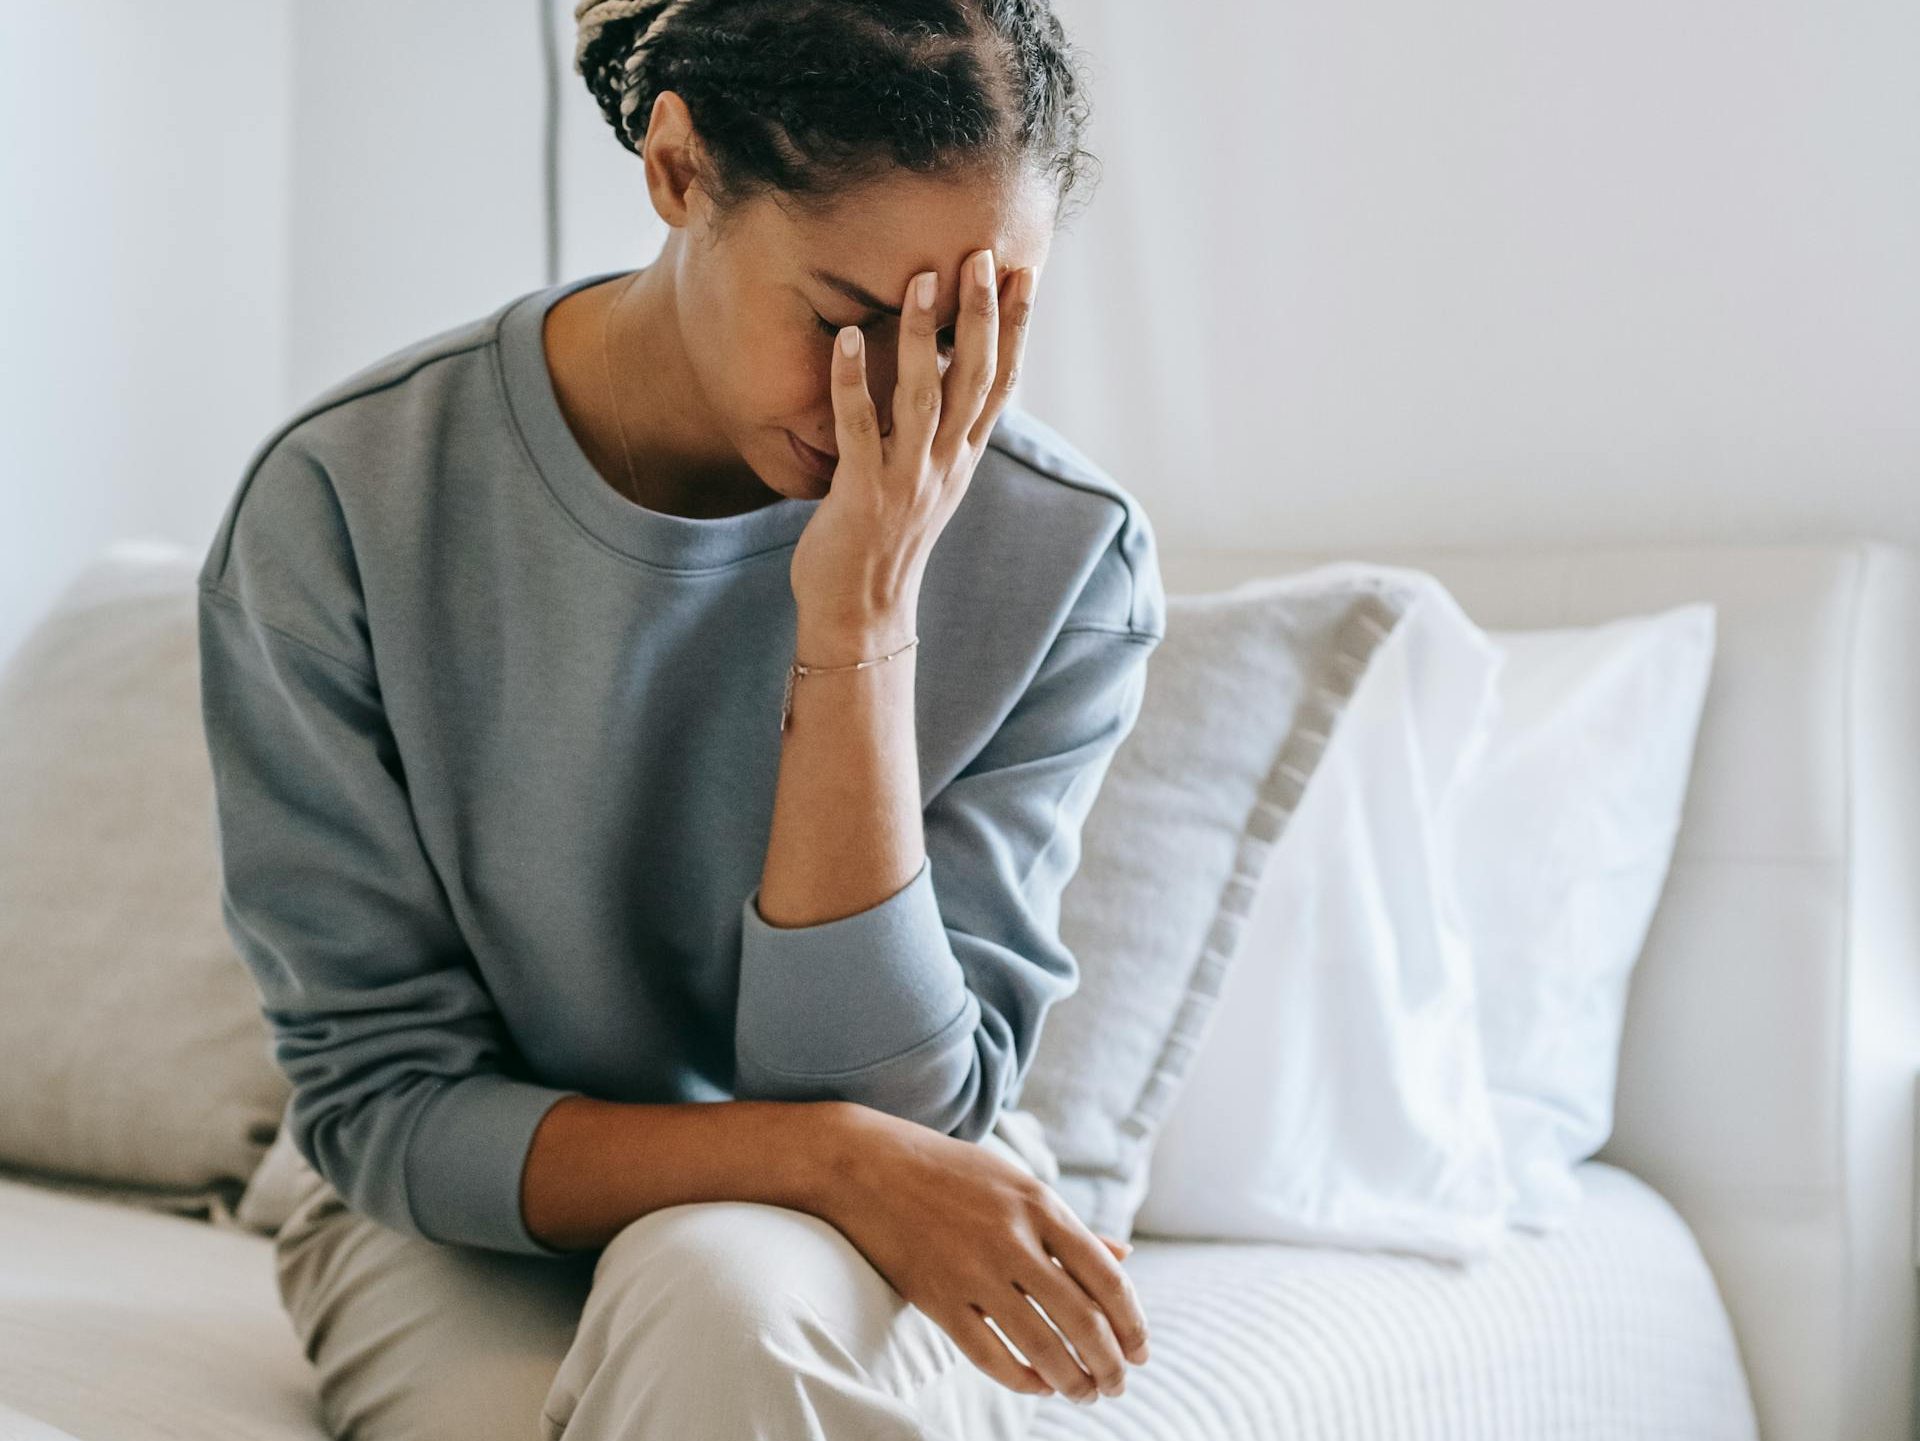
[[330, 1140], [956, 1089], [358, 1147]]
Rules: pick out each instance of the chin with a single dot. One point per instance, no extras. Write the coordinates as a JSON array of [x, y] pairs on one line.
[[781, 476], [801, 488]]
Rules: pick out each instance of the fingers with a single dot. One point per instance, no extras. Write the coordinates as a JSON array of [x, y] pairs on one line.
[[1032, 1332], [986, 1350], [1100, 1276], [856, 425], [1014, 315], [1082, 1322], [976, 359], [916, 392]]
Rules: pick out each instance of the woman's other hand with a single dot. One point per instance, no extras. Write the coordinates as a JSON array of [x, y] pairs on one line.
[[965, 1234], [858, 563]]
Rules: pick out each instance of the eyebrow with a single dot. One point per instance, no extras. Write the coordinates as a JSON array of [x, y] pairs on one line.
[[852, 291]]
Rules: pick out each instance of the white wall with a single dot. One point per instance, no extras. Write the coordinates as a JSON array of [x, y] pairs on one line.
[[417, 201], [1497, 274], [420, 199], [143, 269]]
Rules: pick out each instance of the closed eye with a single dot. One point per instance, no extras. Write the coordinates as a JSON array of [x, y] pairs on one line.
[[944, 338]]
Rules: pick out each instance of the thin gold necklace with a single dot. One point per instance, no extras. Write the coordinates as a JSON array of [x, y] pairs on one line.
[[613, 399]]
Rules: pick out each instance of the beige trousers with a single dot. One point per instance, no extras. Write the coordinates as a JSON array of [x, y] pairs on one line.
[[710, 1321]]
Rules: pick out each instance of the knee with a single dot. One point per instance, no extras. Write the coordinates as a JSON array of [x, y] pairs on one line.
[[739, 1269], [716, 1312]]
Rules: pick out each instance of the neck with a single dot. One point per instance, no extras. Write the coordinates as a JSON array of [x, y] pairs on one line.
[[681, 465]]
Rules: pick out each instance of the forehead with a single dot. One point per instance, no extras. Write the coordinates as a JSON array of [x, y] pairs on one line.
[[884, 233]]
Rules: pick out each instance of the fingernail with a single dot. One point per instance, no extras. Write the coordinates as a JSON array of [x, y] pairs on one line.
[[927, 285], [849, 340], [983, 267]]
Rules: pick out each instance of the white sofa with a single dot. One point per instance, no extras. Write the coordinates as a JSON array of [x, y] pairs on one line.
[[1746, 1252]]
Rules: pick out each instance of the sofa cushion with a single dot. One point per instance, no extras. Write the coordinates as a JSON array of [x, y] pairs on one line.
[[132, 1047], [118, 1322], [1612, 1328], [18, 1426]]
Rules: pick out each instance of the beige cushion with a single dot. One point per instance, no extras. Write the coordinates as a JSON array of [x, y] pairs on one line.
[[132, 1048], [1240, 699], [118, 1323]]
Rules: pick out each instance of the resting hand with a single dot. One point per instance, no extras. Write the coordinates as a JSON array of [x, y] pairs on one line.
[[965, 1234]]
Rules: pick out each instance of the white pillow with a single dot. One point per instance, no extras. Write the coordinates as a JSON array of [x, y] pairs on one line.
[[1560, 848], [1338, 1096], [1238, 703], [1551, 851]]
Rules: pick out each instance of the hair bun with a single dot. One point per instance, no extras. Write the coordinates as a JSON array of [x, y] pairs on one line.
[[592, 17]]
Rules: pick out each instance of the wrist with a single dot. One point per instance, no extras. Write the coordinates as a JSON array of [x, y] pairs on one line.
[[840, 1149], [831, 641]]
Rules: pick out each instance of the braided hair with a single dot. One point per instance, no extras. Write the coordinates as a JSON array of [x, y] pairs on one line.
[[803, 99]]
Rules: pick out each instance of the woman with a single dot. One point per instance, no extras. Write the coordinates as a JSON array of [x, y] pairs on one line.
[[655, 934]]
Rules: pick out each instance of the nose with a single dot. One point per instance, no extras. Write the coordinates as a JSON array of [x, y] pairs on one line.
[[882, 376]]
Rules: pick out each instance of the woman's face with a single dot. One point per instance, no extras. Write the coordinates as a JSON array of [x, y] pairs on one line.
[[761, 301]]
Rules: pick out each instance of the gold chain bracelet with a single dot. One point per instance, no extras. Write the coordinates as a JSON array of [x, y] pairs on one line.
[[796, 669]]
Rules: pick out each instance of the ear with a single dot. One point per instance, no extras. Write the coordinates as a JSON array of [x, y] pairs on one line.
[[674, 160]]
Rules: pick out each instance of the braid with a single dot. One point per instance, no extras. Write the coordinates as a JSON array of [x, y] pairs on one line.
[[810, 97], [593, 17]]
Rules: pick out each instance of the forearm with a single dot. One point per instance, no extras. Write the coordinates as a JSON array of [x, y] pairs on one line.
[[595, 1165], [846, 830]]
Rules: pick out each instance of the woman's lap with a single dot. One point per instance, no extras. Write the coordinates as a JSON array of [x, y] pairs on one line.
[[732, 1318]]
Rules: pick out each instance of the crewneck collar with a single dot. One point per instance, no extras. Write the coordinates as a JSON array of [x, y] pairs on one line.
[[672, 542]]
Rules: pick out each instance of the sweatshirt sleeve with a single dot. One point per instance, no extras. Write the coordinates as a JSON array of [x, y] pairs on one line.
[[403, 1096], [928, 1005]]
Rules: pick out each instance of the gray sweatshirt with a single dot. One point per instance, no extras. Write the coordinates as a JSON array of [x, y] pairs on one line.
[[494, 752]]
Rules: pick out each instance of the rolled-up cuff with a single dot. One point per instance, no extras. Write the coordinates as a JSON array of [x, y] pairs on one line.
[[466, 1157], [821, 1001]]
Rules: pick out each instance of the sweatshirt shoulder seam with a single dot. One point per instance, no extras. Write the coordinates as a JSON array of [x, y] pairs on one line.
[[1034, 444], [373, 384], [337, 396], [212, 591], [1124, 632]]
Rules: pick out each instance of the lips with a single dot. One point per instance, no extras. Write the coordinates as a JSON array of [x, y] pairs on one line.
[[820, 462]]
